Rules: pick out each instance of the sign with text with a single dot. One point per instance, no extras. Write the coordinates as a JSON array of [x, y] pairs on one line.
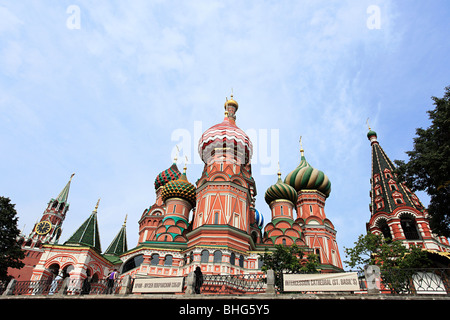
[[344, 281], [158, 285]]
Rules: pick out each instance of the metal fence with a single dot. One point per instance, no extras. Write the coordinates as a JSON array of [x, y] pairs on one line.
[[389, 281], [233, 284], [74, 287], [410, 281]]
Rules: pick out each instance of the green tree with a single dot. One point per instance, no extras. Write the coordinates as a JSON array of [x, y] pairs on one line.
[[387, 254], [428, 168], [396, 262], [288, 259], [10, 252]]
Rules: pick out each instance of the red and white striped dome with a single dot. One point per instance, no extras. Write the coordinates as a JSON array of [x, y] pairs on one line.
[[225, 140]]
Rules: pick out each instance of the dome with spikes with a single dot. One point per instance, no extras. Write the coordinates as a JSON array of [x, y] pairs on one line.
[[180, 188], [306, 177], [280, 190], [167, 175]]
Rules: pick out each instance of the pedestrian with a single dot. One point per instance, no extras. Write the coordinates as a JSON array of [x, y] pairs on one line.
[[112, 276], [198, 279], [86, 288]]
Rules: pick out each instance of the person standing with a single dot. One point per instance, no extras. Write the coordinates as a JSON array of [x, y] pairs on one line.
[[112, 276], [198, 279]]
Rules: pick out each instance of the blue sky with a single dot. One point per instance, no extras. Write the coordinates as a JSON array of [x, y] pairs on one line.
[[111, 98]]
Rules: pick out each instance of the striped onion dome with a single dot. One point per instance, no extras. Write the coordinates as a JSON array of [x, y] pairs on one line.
[[167, 175], [306, 177], [259, 219], [225, 139], [280, 190], [180, 188]]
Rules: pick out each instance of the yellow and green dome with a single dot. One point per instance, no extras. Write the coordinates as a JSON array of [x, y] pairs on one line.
[[180, 188], [306, 177], [280, 190]]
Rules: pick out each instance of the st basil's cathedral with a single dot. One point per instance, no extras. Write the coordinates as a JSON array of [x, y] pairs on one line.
[[214, 223]]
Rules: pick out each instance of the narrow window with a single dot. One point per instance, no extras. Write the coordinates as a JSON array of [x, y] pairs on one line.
[[216, 217]]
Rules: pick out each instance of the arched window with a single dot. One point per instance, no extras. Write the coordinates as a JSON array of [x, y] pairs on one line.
[[132, 263], [168, 260], [409, 227], [216, 217], [205, 256], [318, 254], [232, 259], [241, 261], [217, 256], [155, 259], [382, 224]]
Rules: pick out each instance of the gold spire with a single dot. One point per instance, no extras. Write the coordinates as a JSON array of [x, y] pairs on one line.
[[71, 177], [279, 170], [176, 154], [367, 122], [125, 222], [96, 206], [301, 147], [185, 164]]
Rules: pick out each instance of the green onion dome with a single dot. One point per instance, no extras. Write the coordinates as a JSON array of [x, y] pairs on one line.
[[371, 133], [180, 188], [167, 175], [306, 177], [280, 190]]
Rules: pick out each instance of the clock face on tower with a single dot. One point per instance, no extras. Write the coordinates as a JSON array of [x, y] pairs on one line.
[[43, 227]]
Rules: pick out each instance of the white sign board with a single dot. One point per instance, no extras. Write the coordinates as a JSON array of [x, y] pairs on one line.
[[344, 281], [158, 285]]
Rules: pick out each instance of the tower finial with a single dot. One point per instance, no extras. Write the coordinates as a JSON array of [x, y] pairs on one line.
[[367, 122], [125, 221], [96, 206], [279, 171], [176, 154], [185, 164], [301, 147], [71, 177]]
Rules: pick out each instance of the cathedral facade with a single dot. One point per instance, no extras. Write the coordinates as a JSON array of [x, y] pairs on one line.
[[212, 224]]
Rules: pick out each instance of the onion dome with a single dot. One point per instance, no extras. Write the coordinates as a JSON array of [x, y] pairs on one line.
[[225, 139], [167, 175], [280, 190], [259, 219], [371, 133], [306, 177], [180, 188], [231, 102]]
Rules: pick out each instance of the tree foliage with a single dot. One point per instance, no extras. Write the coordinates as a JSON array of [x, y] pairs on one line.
[[373, 249], [428, 168], [288, 259], [397, 262], [10, 252]]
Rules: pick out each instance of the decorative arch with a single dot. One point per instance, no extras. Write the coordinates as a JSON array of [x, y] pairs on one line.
[[55, 258], [219, 176]]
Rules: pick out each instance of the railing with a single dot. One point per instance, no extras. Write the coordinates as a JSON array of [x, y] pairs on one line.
[[74, 287], [233, 284], [389, 281], [411, 281]]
